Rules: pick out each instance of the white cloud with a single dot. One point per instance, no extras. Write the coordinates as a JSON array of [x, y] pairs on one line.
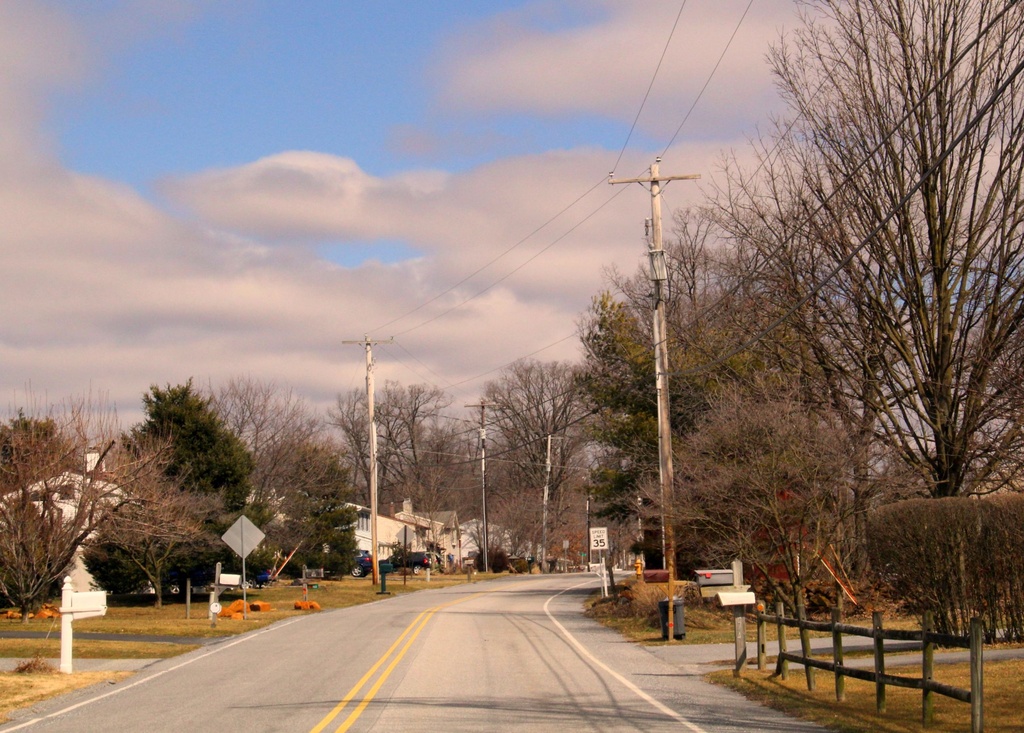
[[115, 294], [515, 62]]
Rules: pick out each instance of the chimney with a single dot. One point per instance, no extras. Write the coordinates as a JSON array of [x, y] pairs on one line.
[[407, 506], [92, 460]]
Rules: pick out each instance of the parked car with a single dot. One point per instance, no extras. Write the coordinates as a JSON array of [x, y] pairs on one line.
[[418, 561], [175, 582], [259, 580], [364, 565]]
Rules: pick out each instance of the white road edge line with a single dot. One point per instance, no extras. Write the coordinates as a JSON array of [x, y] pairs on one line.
[[636, 690], [136, 683]]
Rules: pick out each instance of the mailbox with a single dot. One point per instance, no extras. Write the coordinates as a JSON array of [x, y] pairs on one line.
[[229, 580], [743, 598], [385, 567], [85, 605], [711, 581]]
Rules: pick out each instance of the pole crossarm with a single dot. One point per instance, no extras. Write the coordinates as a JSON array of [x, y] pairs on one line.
[[654, 179]]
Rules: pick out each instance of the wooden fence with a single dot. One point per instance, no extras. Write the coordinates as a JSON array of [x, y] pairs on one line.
[[926, 636]]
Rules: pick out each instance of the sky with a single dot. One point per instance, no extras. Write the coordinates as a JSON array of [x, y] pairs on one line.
[[214, 190]]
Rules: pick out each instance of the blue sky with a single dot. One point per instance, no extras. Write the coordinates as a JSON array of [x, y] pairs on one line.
[[218, 189], [243, 79]]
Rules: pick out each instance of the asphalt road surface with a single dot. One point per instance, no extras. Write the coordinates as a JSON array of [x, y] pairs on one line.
[[505, 655]]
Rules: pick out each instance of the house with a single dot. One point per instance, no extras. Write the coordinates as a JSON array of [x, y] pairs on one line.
[[76, 502], [388, 530], [438, 532]]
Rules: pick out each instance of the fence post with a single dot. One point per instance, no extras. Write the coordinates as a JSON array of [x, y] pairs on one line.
[[837, 654], [927, 668], [977, 668], [876, 625], [805, 645], [762, 636], [783, 665]]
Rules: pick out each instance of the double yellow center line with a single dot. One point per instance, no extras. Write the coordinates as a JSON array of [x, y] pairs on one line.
[[395, 655]]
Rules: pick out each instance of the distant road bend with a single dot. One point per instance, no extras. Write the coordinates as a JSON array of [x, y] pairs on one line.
[[509, 654]]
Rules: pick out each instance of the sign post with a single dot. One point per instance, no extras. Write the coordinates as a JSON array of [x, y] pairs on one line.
[[599, 542], [243, 537], [405, 536]]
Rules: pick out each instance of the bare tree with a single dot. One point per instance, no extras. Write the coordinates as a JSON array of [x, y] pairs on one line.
[[889, 226], [61, 475], [153, 522], [763, 480], [530, 401], [276, 426], [349, 416], [421, 451]]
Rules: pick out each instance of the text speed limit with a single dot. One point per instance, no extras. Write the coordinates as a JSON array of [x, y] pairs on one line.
[[598, 538]]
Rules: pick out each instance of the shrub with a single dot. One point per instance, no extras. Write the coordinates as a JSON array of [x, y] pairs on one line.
[[956, 557], [35, 665]]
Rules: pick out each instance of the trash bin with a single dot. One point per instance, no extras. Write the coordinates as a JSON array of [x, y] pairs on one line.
[[678, 619]]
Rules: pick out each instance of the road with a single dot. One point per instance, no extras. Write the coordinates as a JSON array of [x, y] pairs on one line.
[[502, 655]]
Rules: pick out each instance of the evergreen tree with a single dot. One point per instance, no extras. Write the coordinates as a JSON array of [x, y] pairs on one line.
[[207, 458]]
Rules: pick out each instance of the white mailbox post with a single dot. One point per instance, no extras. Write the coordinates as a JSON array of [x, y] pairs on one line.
[[738, 601], [75, 606]]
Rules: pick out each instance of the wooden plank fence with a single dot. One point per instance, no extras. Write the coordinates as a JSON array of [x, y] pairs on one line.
[[926, 636]]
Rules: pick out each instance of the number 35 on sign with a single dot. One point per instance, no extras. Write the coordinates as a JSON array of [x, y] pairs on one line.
[[598, 538]]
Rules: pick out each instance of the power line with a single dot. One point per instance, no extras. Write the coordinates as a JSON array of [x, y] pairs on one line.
[[946, 152], [763, 260], [560, 213], [650, 86], [485, 266], [513, 271], [707, 82]]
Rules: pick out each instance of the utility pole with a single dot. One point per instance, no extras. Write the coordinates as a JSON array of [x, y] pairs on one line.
[[544, 516], [659, 276], [367, 343], [483, 478]]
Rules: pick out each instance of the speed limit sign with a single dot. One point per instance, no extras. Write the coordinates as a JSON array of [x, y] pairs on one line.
[[598, 538]]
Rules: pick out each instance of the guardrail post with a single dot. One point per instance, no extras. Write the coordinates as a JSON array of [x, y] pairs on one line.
[[977, 670], [876, 625], [837, 654]]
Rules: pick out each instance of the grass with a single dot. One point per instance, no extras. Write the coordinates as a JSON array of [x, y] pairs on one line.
[[23, 690], [88, 649], [135, 615], [856, 714]]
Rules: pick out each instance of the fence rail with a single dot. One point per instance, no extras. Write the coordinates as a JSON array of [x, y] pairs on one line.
[[927, 636]]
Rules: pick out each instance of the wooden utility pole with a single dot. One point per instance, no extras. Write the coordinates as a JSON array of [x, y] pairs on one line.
[[659, 276], [367, 343], [483, 479], [544, 515]]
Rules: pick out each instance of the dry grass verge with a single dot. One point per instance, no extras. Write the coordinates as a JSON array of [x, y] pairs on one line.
[[634, 614], [903, 706], [23, 690]]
